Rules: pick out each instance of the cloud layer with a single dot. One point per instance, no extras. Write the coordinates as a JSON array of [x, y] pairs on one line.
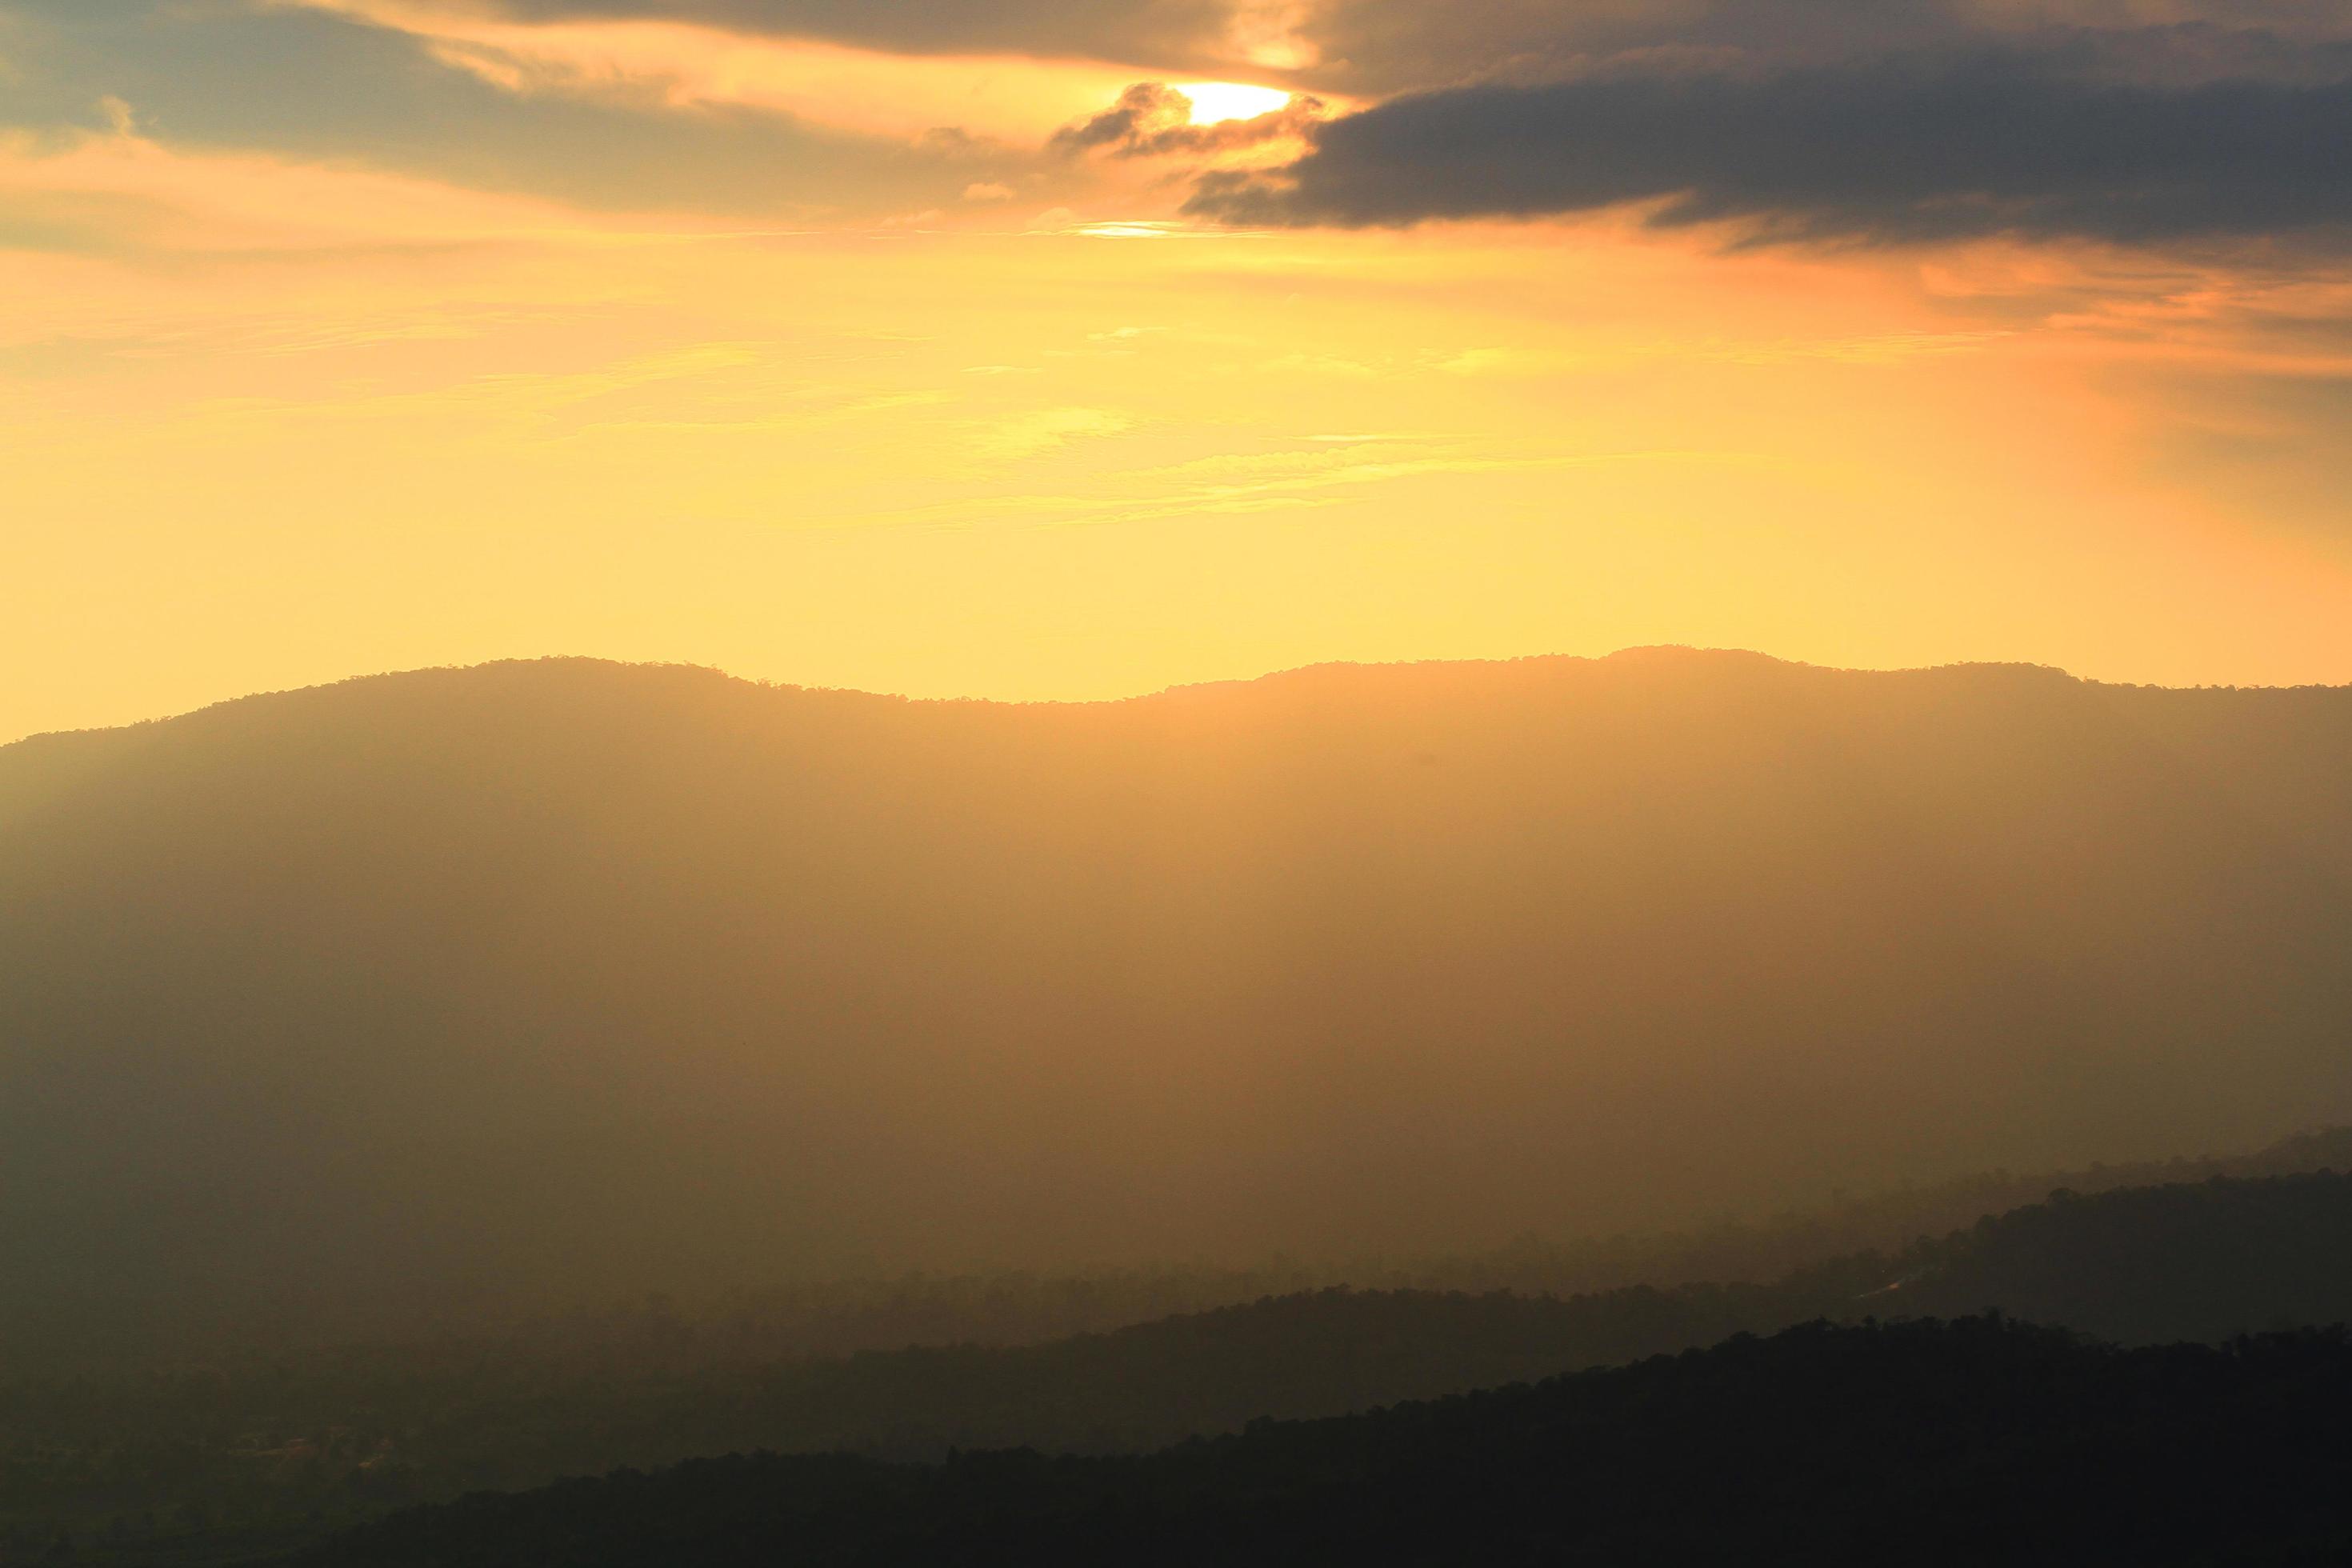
[[1889, 121], [1381, 47], [1922, 146]]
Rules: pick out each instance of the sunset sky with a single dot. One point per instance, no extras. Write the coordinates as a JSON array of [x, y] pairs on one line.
[[1074, 348]]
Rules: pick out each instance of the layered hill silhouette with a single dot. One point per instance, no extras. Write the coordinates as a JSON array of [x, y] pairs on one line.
[[1973, 1442], [277, 1447], [547, 980]]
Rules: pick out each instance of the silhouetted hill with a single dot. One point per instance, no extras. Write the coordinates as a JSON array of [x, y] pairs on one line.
[[1726, 1252], [550, 981], [2149, 1264], [1980, 1441], [274, 1445]]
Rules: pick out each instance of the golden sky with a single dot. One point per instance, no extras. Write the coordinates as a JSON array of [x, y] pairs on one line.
[[943, 348]]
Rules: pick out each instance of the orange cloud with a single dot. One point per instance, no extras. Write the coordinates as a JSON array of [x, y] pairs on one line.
[[870, 92]]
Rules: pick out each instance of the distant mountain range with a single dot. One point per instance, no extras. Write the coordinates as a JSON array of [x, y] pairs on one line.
[[326, 1013]]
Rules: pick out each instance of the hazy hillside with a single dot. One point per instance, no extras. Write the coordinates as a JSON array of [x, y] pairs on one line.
[[1976, 1442], [554, 978]]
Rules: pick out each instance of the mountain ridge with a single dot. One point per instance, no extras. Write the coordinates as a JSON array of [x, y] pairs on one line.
[[569, 978], [1631, 654]]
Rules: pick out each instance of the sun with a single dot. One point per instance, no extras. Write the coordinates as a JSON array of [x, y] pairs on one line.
[[1219, 101]]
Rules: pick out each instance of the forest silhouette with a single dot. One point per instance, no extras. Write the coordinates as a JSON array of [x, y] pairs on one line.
[[466, 995], [1922, 1443], [221, 1463]]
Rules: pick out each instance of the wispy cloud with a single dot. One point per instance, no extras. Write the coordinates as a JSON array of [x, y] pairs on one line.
[[1017, 436], [1319, 473]]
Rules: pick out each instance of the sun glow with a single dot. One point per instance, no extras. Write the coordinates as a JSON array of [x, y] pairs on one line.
[[1215, 101]]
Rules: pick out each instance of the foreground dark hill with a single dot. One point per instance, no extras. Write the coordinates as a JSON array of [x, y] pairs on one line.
[[556, 978], [276, 1447], [1980, 1441]]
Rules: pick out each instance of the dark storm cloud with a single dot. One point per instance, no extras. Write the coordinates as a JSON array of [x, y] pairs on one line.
[[1379, 46], [1913, 147]]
